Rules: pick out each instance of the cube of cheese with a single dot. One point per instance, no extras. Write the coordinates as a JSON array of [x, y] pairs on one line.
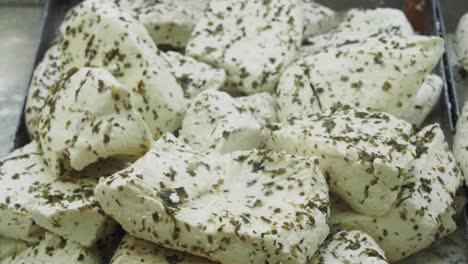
[[193, 76], [135, 251], [262, 106], [215, 121], [460, 142], [90, 116], [32, 198], [424, 210], [11, 247], [53, 249], [351, 247], [245, 207], [169, 22], [254, 41], [380, 73], [318, 19], [461, 42], [363, 154], [360, 24]]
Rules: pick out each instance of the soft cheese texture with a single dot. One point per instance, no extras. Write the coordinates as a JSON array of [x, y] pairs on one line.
[[360, 24], [32, 197], [137, 251], [53, 249], [97, 33], [425, 101], [169, 22], [11, 247], [424, 210], [244, 207], [461, 42], [380, 73], [318, 19], [460, 142], [253, 40], [363, 154], [215, 121], [350, 247], [262, 106], [87, 117], [193, 76]]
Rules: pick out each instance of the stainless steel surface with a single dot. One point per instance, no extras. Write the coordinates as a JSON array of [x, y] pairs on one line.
[[19, 35]]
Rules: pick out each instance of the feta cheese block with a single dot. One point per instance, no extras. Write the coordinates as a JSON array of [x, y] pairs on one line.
[[215, 121], [253, 40], [89, 116], [380, 73], [426, 99], [424, 210], [135, 251], [461, 40], [32, 198], [262, 106], [460, 141], [244, 207], [97, 33], [363, 154], [169, 22], [358, 25], [351, 247], [318, 19], [11, 247], [47, 73], [53, 249], [192, 75]]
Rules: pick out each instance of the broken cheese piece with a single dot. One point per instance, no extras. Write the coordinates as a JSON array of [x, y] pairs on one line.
[[318, 19], [262, 106]]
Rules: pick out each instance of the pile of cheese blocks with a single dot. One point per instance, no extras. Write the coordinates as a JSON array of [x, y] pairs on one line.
[[260, 131]]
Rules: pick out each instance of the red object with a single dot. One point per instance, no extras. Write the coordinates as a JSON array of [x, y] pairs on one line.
[[414, 10]]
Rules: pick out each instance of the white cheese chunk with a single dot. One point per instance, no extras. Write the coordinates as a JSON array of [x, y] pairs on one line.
[[135, 251], [87, 117], [53, 249], [424, 210], [360, 24], [380, 73], [169, 22], [426, 99], [32, 197], [215, 121], [97, 33], [460, 141], [318, 19], [363, 154], [350, 247], [254, 41], [461, 42], [192, 75], [243, 207], [262, 106], [11, 247]]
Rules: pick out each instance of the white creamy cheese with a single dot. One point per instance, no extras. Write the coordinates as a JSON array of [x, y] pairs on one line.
[[32, 197], [89, 116], [11, 247], [262, 106], [380, 73], [97, 33], [243, 207], [253, 40], [461, 42], [53, 249], [363, 154], [360, 24], [424, 210], [169, 22], [215, 121], [192, 75], [426, 99], [350, 247], [137, 251], [318, 19], [460, 141]]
